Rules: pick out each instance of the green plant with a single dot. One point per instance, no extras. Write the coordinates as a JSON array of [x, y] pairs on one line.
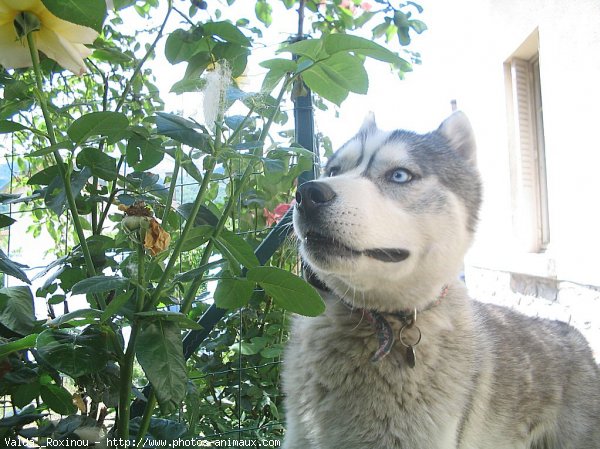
[[87, 144]]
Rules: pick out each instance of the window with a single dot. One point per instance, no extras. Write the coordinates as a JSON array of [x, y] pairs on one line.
[[527, 155]]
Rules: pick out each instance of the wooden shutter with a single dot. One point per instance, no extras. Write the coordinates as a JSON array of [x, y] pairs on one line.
[[526, 166]]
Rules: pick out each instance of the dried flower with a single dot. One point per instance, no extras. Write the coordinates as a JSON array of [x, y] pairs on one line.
[[139, 217], [58, 39], [156, 239]]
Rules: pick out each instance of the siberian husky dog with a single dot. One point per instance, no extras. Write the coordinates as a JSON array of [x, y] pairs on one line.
[[402, 358]]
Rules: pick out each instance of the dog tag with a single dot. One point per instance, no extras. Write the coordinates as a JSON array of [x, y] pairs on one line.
[[410, 356]]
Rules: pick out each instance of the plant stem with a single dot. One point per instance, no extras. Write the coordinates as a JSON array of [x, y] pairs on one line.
[[126, 369], [60, 163], [190, 294], [125, 381], [145, 423], [111, 197], [189, 224], [172, 186]]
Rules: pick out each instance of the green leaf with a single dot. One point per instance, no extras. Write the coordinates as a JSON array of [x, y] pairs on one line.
[[100, 284], [204, 217], [72, 351], [263, 12], [26, 416], [105, 123], [101, 164], [335, 43], [321, 83], [271, 79], [347, 71], [252, 347], [16, 309], [8, 126], [188, 85], [180, 129], [159, 351], [77, 318], [143, 154], [46, 176], [17, 345], [88, 13], [196, 237], [67, 145], [6, 221], [187, 163], [227, 32], [56, 198], [278, 68], [197, 64], [115, 306], [310, 48], [182, 45], [232, 293], [288, 290], [280, 64], [236, 55], [273, 351], [58, 399], [237, 249], [23, 395], [176, 317], [194, 273], [417, 25], [8, 197]]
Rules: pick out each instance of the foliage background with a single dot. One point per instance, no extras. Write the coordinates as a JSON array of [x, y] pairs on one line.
[[223, 181]]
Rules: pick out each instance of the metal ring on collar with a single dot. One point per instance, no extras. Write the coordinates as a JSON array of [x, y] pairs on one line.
[[401, 336]]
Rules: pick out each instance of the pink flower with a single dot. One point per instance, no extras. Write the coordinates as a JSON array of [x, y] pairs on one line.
[[348, 4], [277, 214], [366, 6]]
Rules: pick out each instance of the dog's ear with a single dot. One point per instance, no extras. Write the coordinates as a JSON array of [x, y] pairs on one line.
[[368, 125], [457, 129]]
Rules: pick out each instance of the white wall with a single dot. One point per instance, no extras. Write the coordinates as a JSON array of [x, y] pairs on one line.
[[483, 36]]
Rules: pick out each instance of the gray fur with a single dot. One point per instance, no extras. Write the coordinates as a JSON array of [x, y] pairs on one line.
[[485, 377]]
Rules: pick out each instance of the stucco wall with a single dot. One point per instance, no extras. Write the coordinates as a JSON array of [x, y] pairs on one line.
[[484, 36]]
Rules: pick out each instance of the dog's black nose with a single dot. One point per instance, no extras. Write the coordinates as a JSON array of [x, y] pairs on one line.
[[312, 195]]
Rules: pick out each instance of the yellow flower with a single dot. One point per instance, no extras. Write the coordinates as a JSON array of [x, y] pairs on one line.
[[58, 39]]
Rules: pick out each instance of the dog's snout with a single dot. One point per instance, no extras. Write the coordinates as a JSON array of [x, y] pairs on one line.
[[313, 194]]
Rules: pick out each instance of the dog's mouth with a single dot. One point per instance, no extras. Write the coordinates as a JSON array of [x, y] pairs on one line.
[[317, 243]]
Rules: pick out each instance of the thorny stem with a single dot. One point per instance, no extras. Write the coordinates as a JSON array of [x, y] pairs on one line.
[[60, 163]]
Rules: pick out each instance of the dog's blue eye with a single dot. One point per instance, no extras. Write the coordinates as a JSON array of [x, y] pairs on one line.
[[333, 171], [401, 176]]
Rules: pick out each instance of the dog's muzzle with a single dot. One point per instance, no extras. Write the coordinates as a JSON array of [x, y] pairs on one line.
[[313, 195], [312, 200]]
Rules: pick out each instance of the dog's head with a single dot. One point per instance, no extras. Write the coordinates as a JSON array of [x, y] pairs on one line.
[[393, 215]]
